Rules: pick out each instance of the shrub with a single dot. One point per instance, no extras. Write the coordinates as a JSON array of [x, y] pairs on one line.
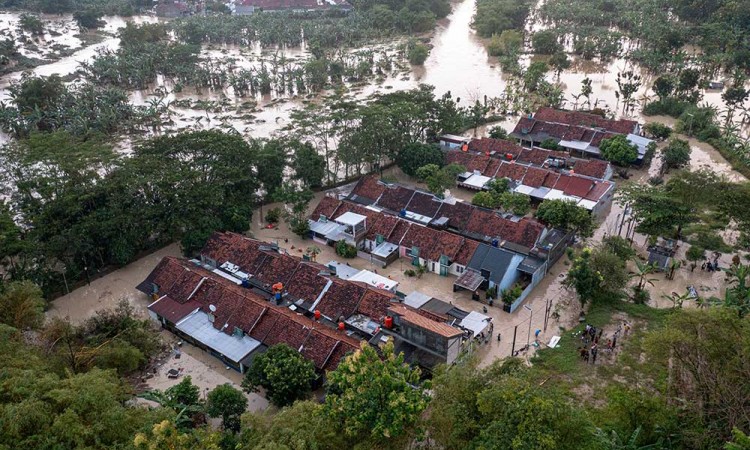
[[550, 144], [300, 227], [658, 130], [410, 273], [416, 52], [676, 154], [273, 216], [498, 133], [345, 250], [545, 42]]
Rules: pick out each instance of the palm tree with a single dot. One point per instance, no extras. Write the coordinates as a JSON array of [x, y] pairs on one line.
[[643, 270], [678, 299], [313, 251]]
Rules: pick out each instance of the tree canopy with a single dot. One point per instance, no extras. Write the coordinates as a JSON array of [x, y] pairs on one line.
[[283, 372]]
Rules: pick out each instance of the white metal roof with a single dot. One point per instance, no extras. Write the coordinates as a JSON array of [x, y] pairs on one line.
[[577, 145], [342, 270], [416, 299], [326, 228], [385, 249], [350, 218], [374, 280], [588, 204], [476, 322], [477, 181], [523, 189], [197, 326]]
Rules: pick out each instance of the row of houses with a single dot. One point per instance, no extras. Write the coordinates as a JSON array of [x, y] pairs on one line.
[[242, 296], [539, 183], [577, 132], [248, 7], [482, 248]]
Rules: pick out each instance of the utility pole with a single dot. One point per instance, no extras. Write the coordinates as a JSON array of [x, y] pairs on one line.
[[513, 347], [531, 316]]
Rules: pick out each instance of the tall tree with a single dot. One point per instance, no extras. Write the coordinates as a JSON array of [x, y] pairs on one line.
[[283, 372], [375, 397], [228, 403]]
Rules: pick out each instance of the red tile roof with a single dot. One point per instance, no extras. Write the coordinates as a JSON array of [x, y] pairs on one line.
[[621, 126], [412, 317], [375, 303], [245, 309], [327, 207], [421, 237], [535, 177], [525, 232], [277, 268], [341, 350], [383, 225], [173, 310], [596, 168], [341, 299], [423, 204], [459, 157], [466, 252], [458, 214], [399, 231], [306, 284], [395, 198], [579, 186], [500, 146], [599, 190], [369, 187], [512, 170]]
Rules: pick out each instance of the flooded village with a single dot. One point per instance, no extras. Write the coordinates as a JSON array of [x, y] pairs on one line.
[[188, 203]]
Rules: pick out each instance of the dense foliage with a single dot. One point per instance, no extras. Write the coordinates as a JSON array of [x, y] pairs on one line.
[[285, 375]]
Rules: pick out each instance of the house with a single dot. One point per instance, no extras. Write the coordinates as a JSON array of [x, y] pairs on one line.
[[577, 132], [243, 296], [232, 322], [413, 332], [247, 7], [497, 266], [453, 141], [172, 9]]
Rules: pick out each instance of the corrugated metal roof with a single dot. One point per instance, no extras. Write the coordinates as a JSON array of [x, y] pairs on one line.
[[198, 326]]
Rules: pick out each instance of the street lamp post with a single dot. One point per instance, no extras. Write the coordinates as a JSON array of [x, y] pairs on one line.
[[531, 316]]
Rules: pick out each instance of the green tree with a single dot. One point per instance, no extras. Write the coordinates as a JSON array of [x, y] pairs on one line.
[[619, 150], [566, 215], [165, 435], [498, 133], [694, 254], [545, 42], [596, 275], [740, 441], [664, 86], [675, 155], [559, 62], [309, 166], [416, 52], [228, 403], [700, 353], [518, 204], [619, 246], [32, 24], [485, 199], [550, 144], [88, 19], [375, 397], [657, 130], [283, 372], [415, 155], [22, 305], [437, 179]]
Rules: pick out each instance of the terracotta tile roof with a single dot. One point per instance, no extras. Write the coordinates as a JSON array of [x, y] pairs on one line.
[[563, 182], [369, 188], [375, 303], [185, 285], [579, 186], [166, 274], [458, 214], [318, 347], [327, 207], [480, 163], [512, 170], [235, 248], [395, 198], [287, 331], [459, 157], [341, 350], [248, 310], [447, 244], [524, 126], [466, 252], [383, 225], [598, 137], [596, 168], [306, 284], [433, 315], [535, 177], [266, 323], [621, 126], [399, 231], [526, 232], [423, 204], [492, 167], [500, 146], [341, 299], [421, 237], [173, 310], [412, 317], [277, 268], [538, 156], [551, 180], [599, 190]]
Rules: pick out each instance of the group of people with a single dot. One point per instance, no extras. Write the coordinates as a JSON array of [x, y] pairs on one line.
[[711, 265], [590, 338]]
